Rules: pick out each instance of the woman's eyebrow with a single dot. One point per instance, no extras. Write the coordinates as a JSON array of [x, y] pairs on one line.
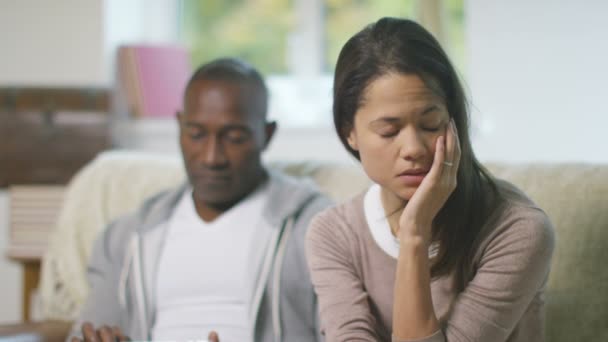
[[385, 120], [429, 109]]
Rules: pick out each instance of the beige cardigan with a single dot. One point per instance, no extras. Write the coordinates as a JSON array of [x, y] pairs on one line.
[[354, 278]]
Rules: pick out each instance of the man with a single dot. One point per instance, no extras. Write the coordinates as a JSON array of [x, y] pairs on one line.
[[223, 254]]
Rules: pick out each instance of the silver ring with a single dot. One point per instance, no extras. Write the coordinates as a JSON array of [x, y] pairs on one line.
[[447, 163]]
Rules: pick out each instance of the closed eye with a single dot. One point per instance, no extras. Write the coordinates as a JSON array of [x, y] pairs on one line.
[[388, 134], [386, 127], [432, 129], [195, 134], [237, 135]]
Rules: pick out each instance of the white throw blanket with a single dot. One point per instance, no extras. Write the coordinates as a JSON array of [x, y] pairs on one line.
[[112, 185]]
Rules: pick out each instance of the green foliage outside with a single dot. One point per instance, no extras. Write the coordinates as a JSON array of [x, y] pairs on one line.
[[344, 18], [254, 30], [258, 30]]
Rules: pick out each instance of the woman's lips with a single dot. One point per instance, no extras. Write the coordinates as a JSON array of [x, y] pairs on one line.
[[412, 178]]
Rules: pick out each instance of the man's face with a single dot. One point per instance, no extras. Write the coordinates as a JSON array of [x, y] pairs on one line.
[[222, 137]]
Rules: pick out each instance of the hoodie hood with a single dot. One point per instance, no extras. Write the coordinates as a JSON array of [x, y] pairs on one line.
[[286, 196]]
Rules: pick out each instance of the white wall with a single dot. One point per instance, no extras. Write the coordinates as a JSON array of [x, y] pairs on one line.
[[73, 42], [10, 271], [136, 21], [51, 42], [297, 144], [538, 72]]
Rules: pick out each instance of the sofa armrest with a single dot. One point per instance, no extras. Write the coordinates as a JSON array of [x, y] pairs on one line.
[[45, 331]]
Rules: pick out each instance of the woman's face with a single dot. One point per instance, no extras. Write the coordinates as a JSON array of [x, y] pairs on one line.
[[395, 131]]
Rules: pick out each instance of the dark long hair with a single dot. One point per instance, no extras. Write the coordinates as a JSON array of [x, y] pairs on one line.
[[402, 46]]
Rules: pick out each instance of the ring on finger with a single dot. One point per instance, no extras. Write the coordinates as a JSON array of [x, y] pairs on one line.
[[447, 163]]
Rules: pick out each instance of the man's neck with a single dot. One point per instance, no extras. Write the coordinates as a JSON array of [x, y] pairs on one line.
[[209, 212]]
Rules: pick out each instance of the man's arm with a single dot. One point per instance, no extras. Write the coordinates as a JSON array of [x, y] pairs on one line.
[[102, 306]]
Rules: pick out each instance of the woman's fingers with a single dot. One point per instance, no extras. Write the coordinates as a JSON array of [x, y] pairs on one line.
[[438, 165], [449, 144], [452, 159], [456, 152]]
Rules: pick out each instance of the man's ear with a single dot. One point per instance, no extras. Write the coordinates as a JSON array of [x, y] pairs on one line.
[[352, 140], [269, 129]]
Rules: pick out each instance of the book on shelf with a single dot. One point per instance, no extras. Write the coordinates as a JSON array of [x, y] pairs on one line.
[[151, 80]]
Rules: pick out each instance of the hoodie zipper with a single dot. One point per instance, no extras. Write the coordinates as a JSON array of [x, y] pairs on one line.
[[276, 281], [140, 290]]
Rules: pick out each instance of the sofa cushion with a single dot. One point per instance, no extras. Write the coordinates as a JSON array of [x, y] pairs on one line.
[[575, 197]]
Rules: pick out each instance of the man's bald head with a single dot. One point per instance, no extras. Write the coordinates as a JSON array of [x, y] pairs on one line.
[[236, 71]]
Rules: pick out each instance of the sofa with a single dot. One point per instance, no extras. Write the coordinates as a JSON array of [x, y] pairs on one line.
[[575, 196]]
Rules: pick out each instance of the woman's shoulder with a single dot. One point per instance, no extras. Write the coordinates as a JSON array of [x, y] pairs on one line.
[[518, 219], [341, 222], [516, 204]]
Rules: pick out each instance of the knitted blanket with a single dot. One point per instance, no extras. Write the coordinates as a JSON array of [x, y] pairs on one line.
[[112, 185]]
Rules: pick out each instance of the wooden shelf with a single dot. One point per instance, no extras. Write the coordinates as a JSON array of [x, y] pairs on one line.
[[34, 99], [50, 133]]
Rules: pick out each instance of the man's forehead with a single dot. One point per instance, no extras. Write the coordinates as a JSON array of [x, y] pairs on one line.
[[232, 91], [215, 107], [214, 89]]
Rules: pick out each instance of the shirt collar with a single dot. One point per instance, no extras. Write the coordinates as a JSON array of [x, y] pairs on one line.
[[379, 227]]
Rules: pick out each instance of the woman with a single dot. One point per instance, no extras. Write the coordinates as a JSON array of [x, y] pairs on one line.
[[437, 249]]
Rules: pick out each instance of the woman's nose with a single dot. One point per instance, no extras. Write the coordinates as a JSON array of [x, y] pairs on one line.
[[412, 145]]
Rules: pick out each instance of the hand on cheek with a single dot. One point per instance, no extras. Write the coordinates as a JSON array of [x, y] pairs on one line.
[[432, 194]]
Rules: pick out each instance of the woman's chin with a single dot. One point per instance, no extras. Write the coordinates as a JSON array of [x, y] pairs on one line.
[[405, 193], [399, 191]]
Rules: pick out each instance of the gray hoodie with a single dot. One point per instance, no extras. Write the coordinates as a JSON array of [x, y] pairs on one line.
[[124, 263]]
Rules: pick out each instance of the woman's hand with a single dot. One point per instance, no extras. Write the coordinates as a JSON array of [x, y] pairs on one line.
[[417, 217]]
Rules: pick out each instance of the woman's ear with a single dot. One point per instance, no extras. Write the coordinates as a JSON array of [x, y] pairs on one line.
[[352, 140]]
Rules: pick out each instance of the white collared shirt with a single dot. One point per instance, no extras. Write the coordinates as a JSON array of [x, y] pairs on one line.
[[203, 276], [379, 227]]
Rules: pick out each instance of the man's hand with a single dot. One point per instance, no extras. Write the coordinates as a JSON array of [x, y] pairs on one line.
[[102, 334], [213, 337]]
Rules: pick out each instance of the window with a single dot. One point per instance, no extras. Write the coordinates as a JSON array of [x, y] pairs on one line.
[[344, 18], [295, 43], [255, 30], [455, 20]]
